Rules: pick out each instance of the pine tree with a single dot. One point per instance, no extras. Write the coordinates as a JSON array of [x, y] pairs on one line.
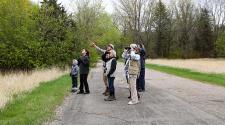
[[162, 28], [204, 41]]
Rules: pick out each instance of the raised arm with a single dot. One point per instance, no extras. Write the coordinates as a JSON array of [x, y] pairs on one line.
[[98, 48], [134, 56], [125, 55]]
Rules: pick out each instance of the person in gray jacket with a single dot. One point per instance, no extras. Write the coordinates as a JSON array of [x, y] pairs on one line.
[[109, 48], [74, 74]]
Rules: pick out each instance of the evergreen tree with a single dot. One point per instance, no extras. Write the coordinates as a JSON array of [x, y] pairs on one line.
[[204, 41], [162, 30]]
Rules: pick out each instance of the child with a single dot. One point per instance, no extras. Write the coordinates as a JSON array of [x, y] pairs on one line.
[[74, 74]]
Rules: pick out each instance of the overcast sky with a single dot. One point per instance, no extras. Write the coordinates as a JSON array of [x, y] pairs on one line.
[[66, 3]]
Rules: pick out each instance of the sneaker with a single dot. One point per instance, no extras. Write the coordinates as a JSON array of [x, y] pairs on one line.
[[106, 93], [73, 90], [87, 93], [80, 92], [132, 103], [141, 90], [110, 98]]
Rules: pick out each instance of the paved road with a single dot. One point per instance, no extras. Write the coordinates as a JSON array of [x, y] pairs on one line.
[[168, 100]]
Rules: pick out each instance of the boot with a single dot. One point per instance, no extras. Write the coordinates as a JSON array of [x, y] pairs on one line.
[[110, 98], [106, 93], [138, 95], [129, 97]]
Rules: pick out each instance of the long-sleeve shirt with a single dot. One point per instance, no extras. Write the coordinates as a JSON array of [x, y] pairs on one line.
[[132, 55], [142, 60], [128, 57], [84, 64], [100, 50], [74, 70]]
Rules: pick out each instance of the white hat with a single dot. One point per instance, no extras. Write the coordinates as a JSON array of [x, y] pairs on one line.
[[75, 62], [111, 45], [133, 46]]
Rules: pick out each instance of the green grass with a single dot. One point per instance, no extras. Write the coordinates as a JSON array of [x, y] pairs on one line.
[[37, 106], [217, 79]]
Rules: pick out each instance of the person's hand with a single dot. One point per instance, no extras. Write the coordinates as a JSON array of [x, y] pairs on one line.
[[93, 44]]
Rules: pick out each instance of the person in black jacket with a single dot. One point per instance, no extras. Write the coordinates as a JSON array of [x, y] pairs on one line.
[[83, 63], [110, 72], [141, 79]]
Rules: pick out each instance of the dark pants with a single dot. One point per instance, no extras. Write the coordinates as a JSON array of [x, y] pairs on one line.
[[141, 80], [84, 83], [111, 86], [74, 81]]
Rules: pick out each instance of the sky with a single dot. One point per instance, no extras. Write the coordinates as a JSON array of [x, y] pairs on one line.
[[108, 4]]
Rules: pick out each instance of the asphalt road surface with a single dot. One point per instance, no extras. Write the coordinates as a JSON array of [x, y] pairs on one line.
[[168, 100]]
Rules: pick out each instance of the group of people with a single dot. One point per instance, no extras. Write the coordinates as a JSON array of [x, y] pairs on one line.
[[134, 68]]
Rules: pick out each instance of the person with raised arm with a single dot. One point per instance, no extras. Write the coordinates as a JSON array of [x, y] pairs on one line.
[[109, 48]]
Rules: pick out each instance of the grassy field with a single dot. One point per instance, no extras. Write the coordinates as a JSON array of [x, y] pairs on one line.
[[37, 106], [18, 82], [217, 79], [205, 65]]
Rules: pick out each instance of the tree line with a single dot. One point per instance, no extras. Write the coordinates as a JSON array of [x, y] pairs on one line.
[[45, 35], [41, 36], [179, 29]]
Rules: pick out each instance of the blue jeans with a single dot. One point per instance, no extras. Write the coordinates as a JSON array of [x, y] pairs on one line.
[[74, 81], [111, 86]]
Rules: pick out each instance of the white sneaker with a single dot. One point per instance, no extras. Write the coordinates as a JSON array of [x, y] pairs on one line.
[[74, 88], [133, 103]]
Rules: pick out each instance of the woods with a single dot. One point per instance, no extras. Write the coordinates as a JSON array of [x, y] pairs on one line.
[[33, 36], [176, 29], [39, 36]]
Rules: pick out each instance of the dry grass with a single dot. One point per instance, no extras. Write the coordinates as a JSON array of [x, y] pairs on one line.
[[201, 65], [19, 82]]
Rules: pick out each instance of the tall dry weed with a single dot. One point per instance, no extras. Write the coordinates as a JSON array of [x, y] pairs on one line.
[[16, 83]]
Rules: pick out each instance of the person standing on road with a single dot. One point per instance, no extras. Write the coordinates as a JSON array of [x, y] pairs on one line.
[[74, 74], [84, 64], [125, 56], [110, 72], [110, 47], [141, 79], [133, 72]]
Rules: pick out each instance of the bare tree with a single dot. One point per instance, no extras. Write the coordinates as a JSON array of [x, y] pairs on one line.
[[184, 13], [131, 14], [217, 10], [86, 13]]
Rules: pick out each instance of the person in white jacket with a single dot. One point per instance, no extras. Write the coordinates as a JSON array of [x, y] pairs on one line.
[[132, 65]]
